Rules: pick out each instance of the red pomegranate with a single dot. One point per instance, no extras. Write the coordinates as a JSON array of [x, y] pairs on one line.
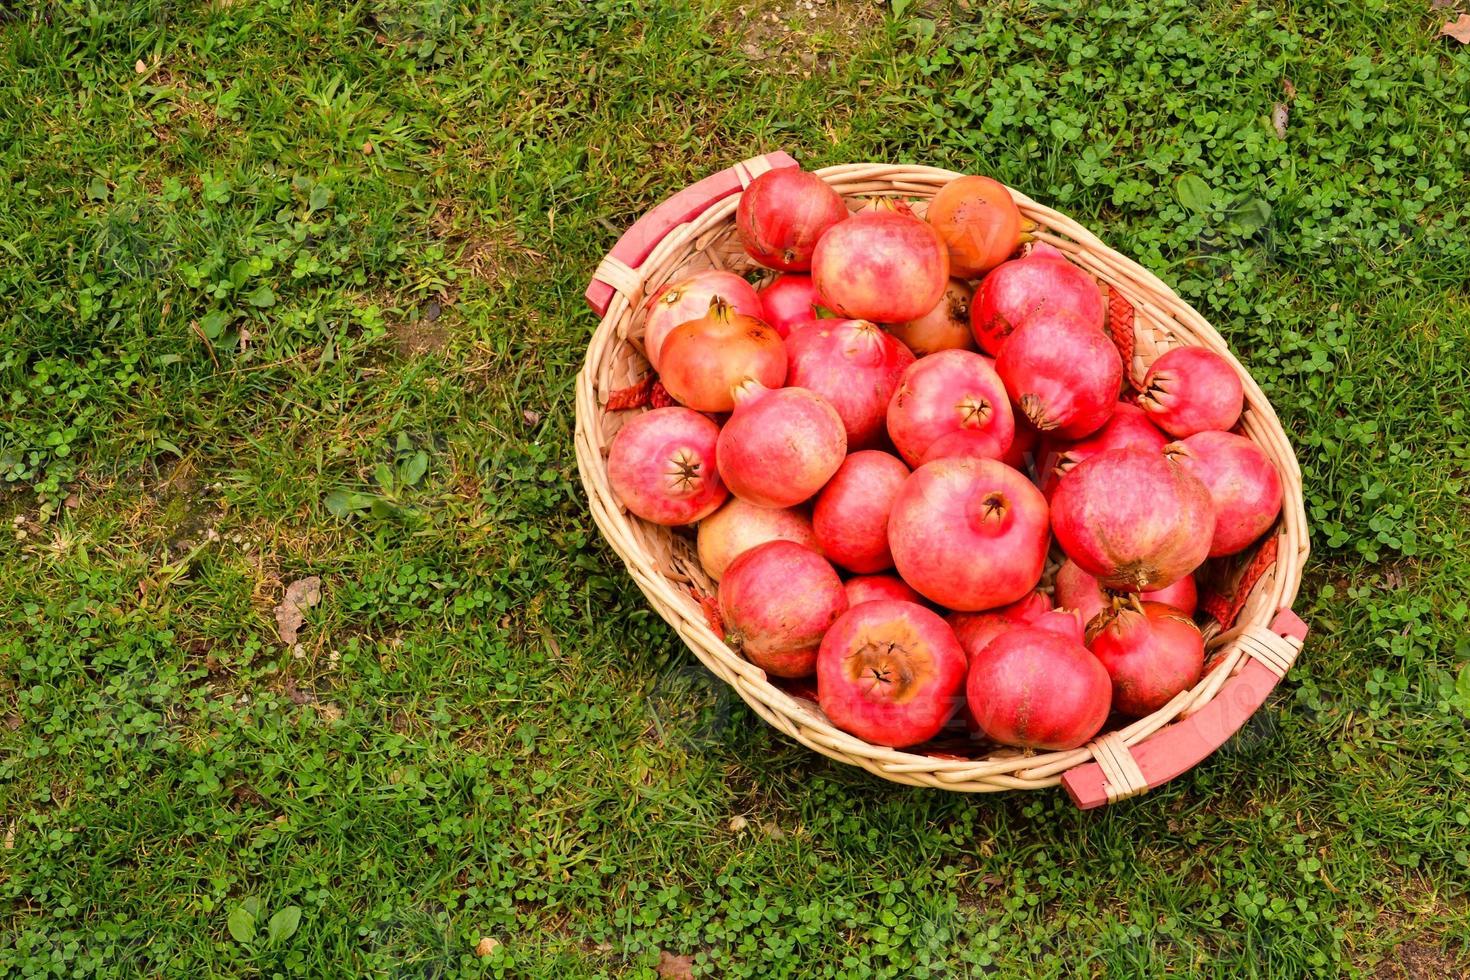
[[703, 360], [1134, 519], [1075, 589], [944, 393], [882, 265], [945, 327], [780, 445], [1042, 281], [1244, 487], [1191, 389], [1062, 374], [854, 365], [1066, 622], [976, 630], [1151, 651], [1128, 426], [662, 466], [739, 526], [1039, 689], [689, 299], [890, 672], [979, 223], [788, 301], [778, 600], [1024, 448], [868, 588], [969, 534], [966, 444], [782, 215], [850, 515]]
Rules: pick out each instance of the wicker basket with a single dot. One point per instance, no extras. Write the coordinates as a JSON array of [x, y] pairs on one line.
[[1253, 637]]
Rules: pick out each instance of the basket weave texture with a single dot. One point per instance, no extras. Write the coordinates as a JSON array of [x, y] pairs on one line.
[[1247, 654]]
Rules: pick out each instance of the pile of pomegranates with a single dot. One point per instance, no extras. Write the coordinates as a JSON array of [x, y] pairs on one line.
[[917, 474]]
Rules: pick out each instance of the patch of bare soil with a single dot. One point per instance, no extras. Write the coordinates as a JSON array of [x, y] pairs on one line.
[[797, 37]]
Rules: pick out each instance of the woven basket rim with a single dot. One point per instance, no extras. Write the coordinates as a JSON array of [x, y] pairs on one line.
[[1162, 319]]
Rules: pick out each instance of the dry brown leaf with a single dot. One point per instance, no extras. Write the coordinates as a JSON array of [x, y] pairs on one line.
[[301, 595], [1288, 88], [1459, 29], [328, 712], [672, 967]]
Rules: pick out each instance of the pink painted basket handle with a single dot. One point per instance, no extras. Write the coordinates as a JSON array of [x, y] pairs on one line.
[[619, 270], [1123, 771]]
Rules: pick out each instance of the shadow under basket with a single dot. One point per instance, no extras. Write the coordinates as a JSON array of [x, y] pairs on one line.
[[1252, 636]]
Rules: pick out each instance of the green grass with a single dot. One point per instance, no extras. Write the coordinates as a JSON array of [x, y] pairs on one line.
[[258, 254]]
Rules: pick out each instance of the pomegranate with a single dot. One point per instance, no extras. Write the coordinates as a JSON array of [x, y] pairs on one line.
[[976, 630], [1151, 651], [662, 466], [951, 391], [739, 526], [852, 364], [850, 516], [1128, 426], [1064, 375], [1041, 281], [1075, 589], [780, 445], [777, 600], [1066, 622], [1039, 689], [979, 223], [969, 534], [945, 327], [1244, 487], [689, 299], [703, 360], [867, 588], [782, 215], [883, 265], [1191, 389], [1134, 519], [1022, 453], [890, 672], [788, 302], [967, 443]]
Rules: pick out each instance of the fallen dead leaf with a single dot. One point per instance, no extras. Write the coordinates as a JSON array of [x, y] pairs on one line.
[[1279, 115], [1288, 88], [486, 946], [301, 595], [737, 824], [672, 967], [1459, 29], [328, 712], [10, 837]]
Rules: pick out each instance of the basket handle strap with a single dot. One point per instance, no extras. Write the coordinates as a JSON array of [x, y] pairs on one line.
[[1179, 747], [619, 271]]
